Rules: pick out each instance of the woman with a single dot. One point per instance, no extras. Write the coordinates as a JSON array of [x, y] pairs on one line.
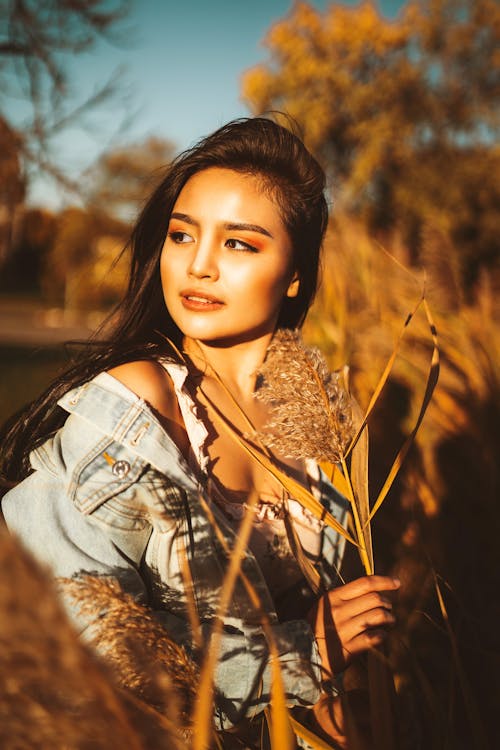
[[131, 467]]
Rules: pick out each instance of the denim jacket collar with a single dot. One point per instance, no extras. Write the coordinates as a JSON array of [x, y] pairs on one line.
[[131, 422]]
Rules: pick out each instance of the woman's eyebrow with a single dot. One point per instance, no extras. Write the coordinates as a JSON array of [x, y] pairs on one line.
[[184, 217], [242, 227], [228, 226]]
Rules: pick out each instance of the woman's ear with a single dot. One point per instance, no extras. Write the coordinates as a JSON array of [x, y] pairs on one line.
[[293, 287]]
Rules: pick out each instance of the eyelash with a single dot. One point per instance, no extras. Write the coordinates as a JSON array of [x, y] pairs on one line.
[[246, 247], [178, 235]]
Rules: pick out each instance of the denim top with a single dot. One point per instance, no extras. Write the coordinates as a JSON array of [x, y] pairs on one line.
[[110, 494]]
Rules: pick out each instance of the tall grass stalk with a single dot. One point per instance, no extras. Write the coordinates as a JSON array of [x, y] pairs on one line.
[[316, 384], [443, 512], [356, 318]]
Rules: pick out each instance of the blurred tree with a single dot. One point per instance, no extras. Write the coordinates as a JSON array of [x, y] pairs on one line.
[[12, 185], [81, 270], [123, 177], [36, 40], [68, 258], [402, 113], [33, 237]]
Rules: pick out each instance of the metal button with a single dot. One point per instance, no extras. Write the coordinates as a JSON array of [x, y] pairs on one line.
[[121, 469]]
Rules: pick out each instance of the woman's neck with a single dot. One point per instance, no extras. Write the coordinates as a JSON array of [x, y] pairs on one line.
[[236, 365]]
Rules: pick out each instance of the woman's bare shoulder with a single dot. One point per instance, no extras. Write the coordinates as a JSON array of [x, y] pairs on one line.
[[151, 382]]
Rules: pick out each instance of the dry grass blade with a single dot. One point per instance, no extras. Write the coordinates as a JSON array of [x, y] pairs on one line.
[[384, 377], [306, 566], [203, 710], [431, 383], [277, 717], [192, 612], [227, 391], [154, 718], [241, 411], [360, 544], [306, 734], [359, 478], [425, 686], [470, 705], [382, 695], [279, 712], [282, 737], [380, 679], [295, 489], [334, 474]]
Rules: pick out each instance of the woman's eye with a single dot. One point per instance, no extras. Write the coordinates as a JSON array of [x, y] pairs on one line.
[[180, 238], [240, 245]]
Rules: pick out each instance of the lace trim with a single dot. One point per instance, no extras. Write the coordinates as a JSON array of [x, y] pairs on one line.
[[195, 427]]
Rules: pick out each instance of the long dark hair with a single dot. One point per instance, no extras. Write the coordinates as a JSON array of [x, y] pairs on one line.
[[141, 322]]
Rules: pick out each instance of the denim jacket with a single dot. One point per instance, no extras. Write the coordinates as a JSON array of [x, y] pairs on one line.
[[110, 494]]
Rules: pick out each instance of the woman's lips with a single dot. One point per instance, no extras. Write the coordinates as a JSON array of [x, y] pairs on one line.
[[200, 302]]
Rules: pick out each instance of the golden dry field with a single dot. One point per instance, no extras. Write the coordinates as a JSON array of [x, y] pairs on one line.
[[439, 526], [437, 529]]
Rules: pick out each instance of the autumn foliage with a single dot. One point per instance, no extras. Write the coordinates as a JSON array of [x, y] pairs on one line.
[[403, 114]]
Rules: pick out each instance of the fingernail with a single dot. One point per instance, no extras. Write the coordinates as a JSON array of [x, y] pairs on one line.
[[397, 582]]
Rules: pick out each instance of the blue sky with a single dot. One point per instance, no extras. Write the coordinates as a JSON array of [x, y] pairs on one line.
[[182, 63]]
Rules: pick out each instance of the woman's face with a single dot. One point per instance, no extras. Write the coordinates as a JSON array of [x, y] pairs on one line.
[[226, 264]]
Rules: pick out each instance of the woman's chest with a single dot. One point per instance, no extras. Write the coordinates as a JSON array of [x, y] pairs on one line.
[[238, 474]]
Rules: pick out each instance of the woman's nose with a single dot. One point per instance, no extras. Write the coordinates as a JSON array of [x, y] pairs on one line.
[[204, 262]]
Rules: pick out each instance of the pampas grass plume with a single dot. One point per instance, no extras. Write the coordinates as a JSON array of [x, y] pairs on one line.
[[54, 691], [310, 407], [144, 659]]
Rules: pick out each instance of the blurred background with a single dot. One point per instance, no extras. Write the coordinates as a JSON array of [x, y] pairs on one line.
[[400, 103]]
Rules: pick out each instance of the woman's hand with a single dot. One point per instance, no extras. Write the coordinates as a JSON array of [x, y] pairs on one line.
[[351, 619]]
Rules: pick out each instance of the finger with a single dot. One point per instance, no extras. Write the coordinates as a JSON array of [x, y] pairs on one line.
[[350, 608], [378, 618], [364, 585], [363, 642]]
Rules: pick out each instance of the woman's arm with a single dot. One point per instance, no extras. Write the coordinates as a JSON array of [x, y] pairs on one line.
[[348, 621], [352, 619], [80, 516], [89, 504], [74, 518]]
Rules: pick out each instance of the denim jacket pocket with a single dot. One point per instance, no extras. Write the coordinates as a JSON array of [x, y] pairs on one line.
[[105, 483]]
